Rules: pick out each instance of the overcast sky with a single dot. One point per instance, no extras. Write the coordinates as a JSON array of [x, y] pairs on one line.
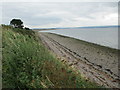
[[61, 14]]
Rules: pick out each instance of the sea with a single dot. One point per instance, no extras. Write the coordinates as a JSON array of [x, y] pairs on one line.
[[105, 36]]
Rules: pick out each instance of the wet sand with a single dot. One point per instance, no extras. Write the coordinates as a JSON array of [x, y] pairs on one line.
[[96, 63]]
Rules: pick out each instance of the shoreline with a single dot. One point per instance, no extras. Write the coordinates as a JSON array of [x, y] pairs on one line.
[[86, 54], [95, 44]]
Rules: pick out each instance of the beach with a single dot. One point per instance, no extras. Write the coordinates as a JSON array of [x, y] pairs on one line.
[[96, 63]]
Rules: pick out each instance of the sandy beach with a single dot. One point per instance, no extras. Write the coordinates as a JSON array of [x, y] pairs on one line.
[[95, 63]]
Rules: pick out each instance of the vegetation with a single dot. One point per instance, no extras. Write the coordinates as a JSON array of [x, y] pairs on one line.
[[16, 23], [26, 28], [28, 64]]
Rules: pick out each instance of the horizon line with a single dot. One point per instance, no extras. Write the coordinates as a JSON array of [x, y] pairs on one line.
[[79, 27]]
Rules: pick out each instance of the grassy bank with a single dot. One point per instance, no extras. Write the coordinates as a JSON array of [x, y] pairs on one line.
[[28, 64]]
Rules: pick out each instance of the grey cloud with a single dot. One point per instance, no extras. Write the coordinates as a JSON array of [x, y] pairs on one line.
[[43, 20], [38, 14]]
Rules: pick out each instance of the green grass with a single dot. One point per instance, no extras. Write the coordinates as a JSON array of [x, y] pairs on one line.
[[27, 63]]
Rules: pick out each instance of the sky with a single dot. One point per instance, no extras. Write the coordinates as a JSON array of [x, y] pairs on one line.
[[60, 14]]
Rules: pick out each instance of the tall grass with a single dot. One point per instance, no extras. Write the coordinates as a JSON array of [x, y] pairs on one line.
[[28, 64]]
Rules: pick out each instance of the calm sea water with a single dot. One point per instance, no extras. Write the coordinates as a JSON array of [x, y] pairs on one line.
[[103, 36]]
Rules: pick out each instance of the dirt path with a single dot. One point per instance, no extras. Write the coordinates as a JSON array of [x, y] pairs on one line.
[[88, 69]]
